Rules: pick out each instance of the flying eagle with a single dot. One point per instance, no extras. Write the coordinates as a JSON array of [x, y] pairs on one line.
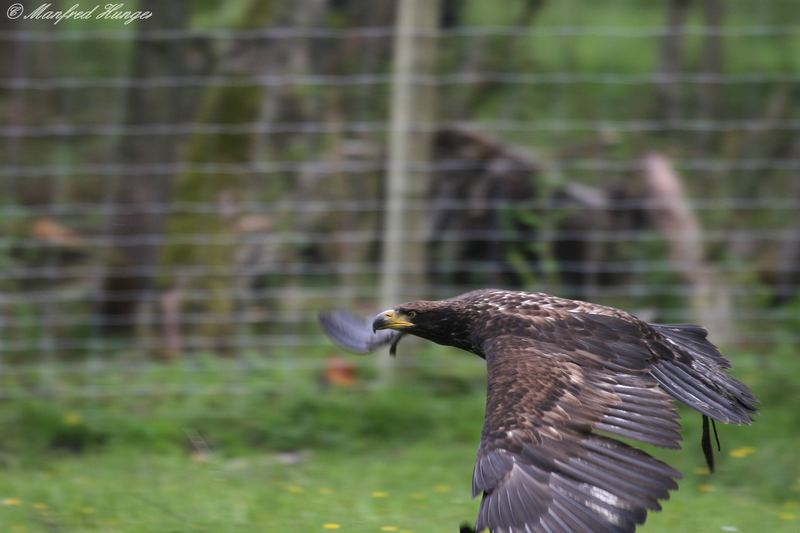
[[561, 375]]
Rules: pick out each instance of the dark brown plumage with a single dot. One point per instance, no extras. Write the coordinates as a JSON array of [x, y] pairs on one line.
[[559, 373]]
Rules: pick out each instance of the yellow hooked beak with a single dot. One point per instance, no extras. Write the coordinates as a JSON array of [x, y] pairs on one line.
[[389, 319]]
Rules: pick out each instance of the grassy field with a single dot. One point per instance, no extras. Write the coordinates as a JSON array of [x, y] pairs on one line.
[[268, 449]]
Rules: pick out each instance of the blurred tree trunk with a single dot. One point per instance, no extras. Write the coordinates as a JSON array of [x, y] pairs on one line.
[[713, 57], [669, 89], [205, 240], [788, 276], [681, 229], [137, 225], [412, 106], [210, 276], [357, 55], [11, 53], [487, 52], [13, 110], [23, 59], [14, 65]]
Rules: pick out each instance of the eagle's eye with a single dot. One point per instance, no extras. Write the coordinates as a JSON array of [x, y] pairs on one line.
[[411, 314]]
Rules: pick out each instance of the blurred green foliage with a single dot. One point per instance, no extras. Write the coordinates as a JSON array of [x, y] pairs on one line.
[[199, 453]]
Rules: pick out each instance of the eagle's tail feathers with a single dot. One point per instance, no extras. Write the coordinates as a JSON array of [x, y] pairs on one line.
[[709, 394], [697, 377]]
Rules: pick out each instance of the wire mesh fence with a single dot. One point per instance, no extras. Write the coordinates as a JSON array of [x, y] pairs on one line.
[[170, 190]]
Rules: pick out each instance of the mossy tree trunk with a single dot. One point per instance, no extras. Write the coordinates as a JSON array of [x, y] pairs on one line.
[[204, 242], [202, 258]]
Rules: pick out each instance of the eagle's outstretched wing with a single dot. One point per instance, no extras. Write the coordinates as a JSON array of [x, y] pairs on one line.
[[355, 333], [557, 377], [542, 467]]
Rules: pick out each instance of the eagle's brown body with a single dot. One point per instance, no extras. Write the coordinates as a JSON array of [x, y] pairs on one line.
[[559, 371]]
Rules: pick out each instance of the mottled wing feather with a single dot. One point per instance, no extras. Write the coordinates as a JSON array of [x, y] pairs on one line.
[[678, 356], [540, 465], [354, 333]]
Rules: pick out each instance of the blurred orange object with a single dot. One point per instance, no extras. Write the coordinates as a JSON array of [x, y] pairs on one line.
[[50, 231], [340, 371]]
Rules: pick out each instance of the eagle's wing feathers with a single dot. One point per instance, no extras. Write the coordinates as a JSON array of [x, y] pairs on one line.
[[697, 377], [684, 363], [354, 333], [540, 465]]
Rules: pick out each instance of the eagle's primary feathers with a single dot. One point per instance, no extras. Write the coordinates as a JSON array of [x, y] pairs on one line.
[[561, 375]]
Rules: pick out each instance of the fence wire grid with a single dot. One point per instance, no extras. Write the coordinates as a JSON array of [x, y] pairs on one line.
[[205, 183]]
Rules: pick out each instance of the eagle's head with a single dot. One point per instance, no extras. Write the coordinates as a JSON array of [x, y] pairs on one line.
[[443, 322]]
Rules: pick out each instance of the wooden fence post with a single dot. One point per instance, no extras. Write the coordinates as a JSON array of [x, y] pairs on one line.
[[412, 112]]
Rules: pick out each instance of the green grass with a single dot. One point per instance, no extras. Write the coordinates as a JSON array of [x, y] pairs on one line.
[[421, 487], [292, 456]]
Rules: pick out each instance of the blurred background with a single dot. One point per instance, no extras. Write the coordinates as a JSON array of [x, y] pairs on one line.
[[180, 196]]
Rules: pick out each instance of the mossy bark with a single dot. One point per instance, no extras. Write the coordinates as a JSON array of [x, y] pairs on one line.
[[210, 261], [201, 251]]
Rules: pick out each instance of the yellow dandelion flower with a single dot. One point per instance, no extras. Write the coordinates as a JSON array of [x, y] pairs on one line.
[[40, 506], [87, 509], [72, 419], [389, 528], [379, 494], [787, 516], [417, 496], [331, 526], [741, 453], [705, 487], [441, 488], [702, 471], [295, 489], [325, 490], [12, 501]]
